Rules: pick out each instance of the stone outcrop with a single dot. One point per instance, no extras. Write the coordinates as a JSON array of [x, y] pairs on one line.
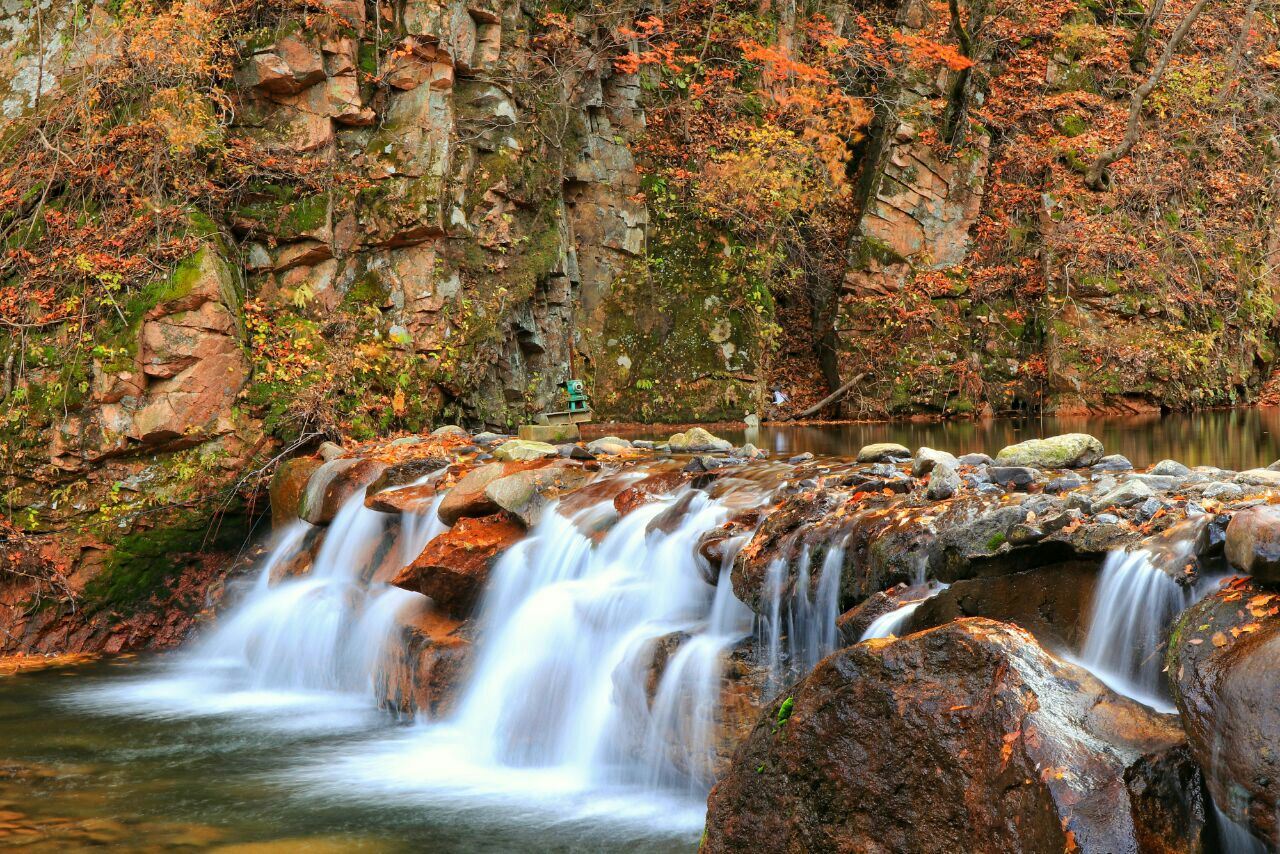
[[966, 737]]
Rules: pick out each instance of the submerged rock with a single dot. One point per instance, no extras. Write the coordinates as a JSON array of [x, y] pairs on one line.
[[966, 737], [1070, 450]]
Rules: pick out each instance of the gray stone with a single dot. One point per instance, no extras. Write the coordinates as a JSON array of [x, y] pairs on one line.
[[1106, 519], [1222, 492], [489, 438], [609, 446], [1070, 450], [1259, 477], [1161, 483], [975, 460], [330, 451], [450, 430], [1170, 467], [1113, 462], [943, 481], [1023, 534], [1149, 508], [695, 440], [801, 458], [927, 458], [1020, 476], [883, 452], [1080, 501], [1065, 483], [1127, 494]]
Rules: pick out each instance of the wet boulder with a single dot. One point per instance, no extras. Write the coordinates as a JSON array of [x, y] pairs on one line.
[[1070, 450], [1222, 665], [421, 670], [608, 446], [527, 493], [407, 472], [467, 498], [402, 499], [648, 489], [1015, 477], [967, 737], [1259, 478], [1127, 494], [698, 440], [454, 567], [287, 485], [1253, 542], [883, 452], [853, 624], [332, 484], [1052, 602], [1113, 462]]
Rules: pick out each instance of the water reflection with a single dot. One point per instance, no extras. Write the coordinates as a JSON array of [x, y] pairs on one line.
[[1234, 439]]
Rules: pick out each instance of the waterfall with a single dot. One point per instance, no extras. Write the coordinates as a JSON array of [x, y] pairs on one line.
[[418, 529], [798, 630], [287, 643], [1134, 607], [891, 624]]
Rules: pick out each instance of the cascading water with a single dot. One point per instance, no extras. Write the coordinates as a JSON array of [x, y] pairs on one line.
[[559, 716], [799, 629], [288, 641], [892, 623], [1133, 607]]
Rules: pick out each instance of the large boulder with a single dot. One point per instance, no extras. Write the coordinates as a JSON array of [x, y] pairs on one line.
[[1224, 674], [1253, 542], [968, 737], [524, 450], [697, 440], [332, 484], [1070, 450], [468, 496], [526, 494], [883, 452], [419, 674], [454, 567]]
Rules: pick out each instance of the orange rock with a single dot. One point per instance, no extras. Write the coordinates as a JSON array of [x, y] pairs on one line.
[[454, 567]]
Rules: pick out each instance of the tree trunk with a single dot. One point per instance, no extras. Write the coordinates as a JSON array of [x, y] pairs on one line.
[[1138, 51], [1098, 178]]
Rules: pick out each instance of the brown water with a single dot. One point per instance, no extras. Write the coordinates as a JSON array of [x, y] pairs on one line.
[[1232, 439]]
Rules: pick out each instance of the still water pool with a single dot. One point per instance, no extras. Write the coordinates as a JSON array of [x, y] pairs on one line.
[[81, 767]]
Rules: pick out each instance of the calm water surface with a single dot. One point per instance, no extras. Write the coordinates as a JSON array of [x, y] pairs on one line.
[[1233, 439], [78, 768]]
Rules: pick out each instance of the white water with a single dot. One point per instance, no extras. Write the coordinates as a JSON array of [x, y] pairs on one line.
[[892, 623], [300, 653], [799, 627], [555, 721], [1134, 606]]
